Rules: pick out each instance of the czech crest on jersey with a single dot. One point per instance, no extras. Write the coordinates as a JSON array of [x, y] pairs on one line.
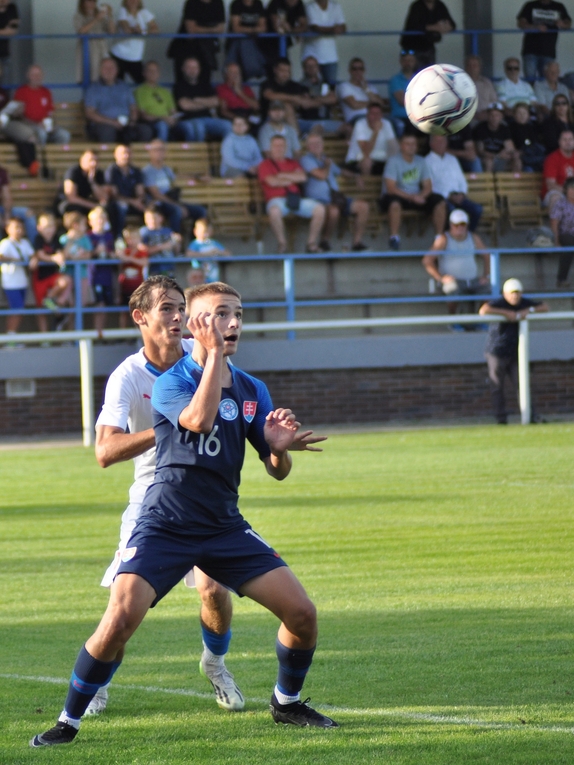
[[249, 409]]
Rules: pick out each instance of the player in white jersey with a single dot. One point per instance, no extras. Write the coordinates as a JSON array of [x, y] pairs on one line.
[[124, 431]]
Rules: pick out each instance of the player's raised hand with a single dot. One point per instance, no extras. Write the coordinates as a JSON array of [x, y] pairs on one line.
[[303, 441], [280, 429], [204, 330]]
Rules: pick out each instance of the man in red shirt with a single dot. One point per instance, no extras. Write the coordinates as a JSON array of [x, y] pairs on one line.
[[280, 178], [34, 121], [558, 166]]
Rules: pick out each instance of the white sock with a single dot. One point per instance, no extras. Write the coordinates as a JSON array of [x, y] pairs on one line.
[[70, 720], [283, 699], [212, 658]]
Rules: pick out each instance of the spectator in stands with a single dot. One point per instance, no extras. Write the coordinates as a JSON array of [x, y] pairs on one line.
[[161, 241], [85, 188], [101, 274], [77, 245], [372, 142], [547, 89], [111, 109], [559, 120], [512, 89], [356, 94], [235, 97], [493, 142], [200, 17], [52, 287], [133, 19], [156, 104], [502, 342], [322, 186], [195, 97], [455, 268], [407, 186], [93, 19], [26, 150], [33, 121], [134, 256], [397, 87], [277, 125], [447, 179], [322, 97], [525, 136], [160, 183], [284, 17], [9, 26], [545, 17], [562, 225], [204, 245], [431, 17], [8, 210], [126, 184], [280, 178], [280, 87], [240, 153], [484, 87], [247, 17], [325, 18], [15, 252], [558, 167], [462, 146]]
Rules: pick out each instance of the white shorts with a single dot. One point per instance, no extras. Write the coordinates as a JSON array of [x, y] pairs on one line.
[[129, 518]]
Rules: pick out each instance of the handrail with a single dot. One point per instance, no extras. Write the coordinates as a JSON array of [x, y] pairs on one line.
[[85, 342]]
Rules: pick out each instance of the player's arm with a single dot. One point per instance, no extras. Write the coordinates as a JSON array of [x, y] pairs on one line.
[[279, 431], [115, 445]]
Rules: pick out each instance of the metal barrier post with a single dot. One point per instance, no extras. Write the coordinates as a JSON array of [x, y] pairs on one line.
[[289, 285], [495, 272], [87, 388], [283, 46], [524, 371], [78, 313], [86, 74]]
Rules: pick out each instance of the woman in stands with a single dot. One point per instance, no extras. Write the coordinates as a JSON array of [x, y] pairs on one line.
[[133, 19], [560, 119], [91, 19], [562, 225]]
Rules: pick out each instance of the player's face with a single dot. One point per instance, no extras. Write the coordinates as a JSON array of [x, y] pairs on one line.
[[164, 323], [512, 297], [228, 314]]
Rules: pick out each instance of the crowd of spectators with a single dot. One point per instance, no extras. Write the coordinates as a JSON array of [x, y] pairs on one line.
[[271, 129]]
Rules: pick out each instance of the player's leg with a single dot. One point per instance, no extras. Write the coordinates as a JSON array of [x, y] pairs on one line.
[[130, 598], [215, 616], [280, 592]]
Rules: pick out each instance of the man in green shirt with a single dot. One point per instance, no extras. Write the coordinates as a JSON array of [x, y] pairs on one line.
[[156, 105]]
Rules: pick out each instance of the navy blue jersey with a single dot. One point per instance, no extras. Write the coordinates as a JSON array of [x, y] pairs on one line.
[[199, 474]]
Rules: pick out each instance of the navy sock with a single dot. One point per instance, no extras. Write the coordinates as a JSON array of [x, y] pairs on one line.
[[293, 667], [88, 676], [217, 644]]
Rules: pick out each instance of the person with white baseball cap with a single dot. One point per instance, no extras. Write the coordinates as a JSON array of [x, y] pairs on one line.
[[502, 342], [451, 261]]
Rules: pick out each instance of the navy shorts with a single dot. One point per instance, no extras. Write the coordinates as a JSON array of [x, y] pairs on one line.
[[103, 293], [163, 557], [16, 298]]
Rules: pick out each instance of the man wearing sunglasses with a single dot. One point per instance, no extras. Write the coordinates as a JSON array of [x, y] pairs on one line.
[[512, 89], [356, 94]]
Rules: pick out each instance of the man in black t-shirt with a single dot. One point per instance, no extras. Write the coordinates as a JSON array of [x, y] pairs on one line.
[[199, 17], [195, 96], [280, 87], [502, 342], [461, 146], [85, 188], [247, 17], [494, 144], [283, 17], [431, 17], [546, 17]]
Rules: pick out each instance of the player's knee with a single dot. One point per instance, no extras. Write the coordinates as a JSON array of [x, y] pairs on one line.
[[213, 595], [303, 620]]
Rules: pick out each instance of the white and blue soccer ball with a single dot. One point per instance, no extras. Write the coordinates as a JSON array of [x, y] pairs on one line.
[[441, 99]]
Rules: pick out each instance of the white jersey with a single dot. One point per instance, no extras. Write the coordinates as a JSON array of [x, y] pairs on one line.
[[127, 405]]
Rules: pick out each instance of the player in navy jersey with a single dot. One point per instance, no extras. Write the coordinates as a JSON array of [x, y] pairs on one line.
[[205, 409]]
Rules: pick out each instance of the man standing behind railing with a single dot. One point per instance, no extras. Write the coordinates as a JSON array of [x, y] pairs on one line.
[[325, 18], [431, 17], [545, 17]]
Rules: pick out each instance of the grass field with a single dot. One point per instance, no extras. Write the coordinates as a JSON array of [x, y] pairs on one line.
[[441, 563]]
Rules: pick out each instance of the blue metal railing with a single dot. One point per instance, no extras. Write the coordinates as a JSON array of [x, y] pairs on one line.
[[290, 303]]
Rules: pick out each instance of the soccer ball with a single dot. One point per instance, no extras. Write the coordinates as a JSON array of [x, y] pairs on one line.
[[441, 99]]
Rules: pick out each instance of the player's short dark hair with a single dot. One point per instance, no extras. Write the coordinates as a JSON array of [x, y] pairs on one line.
[[144, 297], [213, 288]]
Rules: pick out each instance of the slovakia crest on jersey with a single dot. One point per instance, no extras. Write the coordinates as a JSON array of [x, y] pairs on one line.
[[249, 409], [228, 409]]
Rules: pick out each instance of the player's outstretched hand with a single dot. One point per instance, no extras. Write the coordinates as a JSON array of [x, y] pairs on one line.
[[280, 429], [303, 441], [204, 330]]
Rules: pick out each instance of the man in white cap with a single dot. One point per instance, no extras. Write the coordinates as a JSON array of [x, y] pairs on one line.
[[451, 261], [502, 342]]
